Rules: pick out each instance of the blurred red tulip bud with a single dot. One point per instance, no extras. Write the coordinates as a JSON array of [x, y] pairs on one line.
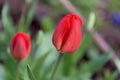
[[20, 46], [68, 34]]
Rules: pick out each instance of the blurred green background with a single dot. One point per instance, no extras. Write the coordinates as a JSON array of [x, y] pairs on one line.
[[39, 18]]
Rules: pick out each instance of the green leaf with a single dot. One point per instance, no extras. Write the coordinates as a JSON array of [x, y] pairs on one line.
[[93, 52], [46, 71], [85, 44], [10, 66], [30, 14], [2, 37], [36, 66], [30, 74], [87, 69], [2, 72], [67, 61], [7, 22], [110, 76], [94, 65]]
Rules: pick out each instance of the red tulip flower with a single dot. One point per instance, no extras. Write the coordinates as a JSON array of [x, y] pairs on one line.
[[68, 34], [20, 46]]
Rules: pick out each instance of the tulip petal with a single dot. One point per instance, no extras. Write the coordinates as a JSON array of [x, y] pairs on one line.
[[20, 46], [68, 34], [74, 39], [27, 42], [59, 33]]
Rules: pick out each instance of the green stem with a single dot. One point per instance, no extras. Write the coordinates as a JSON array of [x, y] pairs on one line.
[[56, 66], [17, 68]]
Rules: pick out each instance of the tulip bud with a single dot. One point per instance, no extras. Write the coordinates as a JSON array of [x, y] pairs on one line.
[[68, 34], [20, 46]]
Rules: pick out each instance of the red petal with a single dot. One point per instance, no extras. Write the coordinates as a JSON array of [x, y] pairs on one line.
[[75, 35], [60, 31], [27, 42], [20, 51], [20, 46], [68, 34]]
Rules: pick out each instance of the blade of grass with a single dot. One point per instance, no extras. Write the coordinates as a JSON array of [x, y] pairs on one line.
[[30, 74]]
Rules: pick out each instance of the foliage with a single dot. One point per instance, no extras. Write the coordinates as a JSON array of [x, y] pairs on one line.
[[43, 55]]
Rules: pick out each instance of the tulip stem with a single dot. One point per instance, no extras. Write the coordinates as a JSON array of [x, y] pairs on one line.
[[17, 68], [56, 66]]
